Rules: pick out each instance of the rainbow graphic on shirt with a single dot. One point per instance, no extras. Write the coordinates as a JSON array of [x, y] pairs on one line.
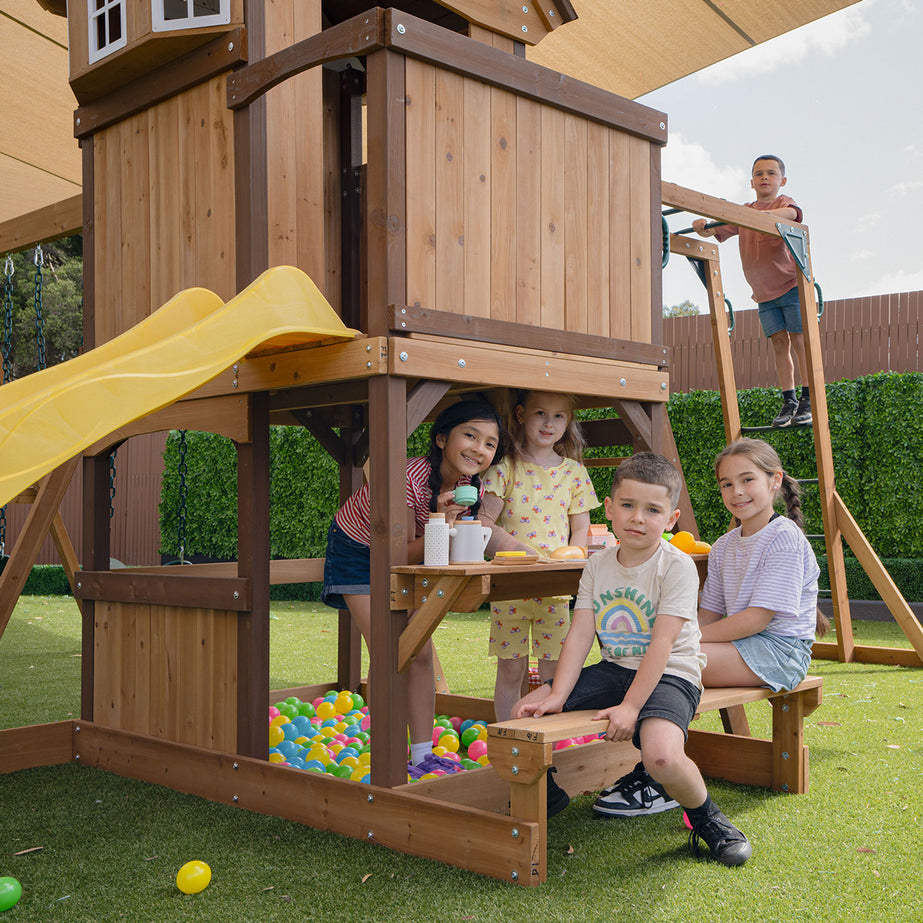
[[623, 621]]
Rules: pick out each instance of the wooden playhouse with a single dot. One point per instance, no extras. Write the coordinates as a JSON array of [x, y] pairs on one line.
[[482, 221]]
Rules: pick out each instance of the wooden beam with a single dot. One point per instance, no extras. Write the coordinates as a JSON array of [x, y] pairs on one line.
[[42, 225], [881, 579], [28, 544], [36, 746], [425, 620], [698, 203], [415, 319], [167, 588]]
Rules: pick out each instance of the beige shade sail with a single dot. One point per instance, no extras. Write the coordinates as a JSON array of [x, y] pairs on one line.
[[629, 47]]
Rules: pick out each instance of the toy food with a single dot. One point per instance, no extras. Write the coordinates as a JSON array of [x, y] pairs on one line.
[[700, 548], [684, 541], [568, 553]]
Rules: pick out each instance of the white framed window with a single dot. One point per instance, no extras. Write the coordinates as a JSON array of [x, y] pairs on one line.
[[170, 15], [106, 19]]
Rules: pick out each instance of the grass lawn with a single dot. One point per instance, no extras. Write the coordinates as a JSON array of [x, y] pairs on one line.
[[110, 848]]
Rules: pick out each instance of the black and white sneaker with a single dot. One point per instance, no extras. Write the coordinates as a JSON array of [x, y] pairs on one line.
[[802, 415], [634, 794], [558, 799], [724, 841], [785, 415]]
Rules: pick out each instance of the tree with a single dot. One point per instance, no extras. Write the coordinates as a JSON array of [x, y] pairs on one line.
[[685, 309], [61, 303]]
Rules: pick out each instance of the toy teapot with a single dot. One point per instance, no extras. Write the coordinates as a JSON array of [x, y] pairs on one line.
[[468, 541]]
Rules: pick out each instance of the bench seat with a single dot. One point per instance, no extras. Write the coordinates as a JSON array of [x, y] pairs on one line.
[[521, 750]]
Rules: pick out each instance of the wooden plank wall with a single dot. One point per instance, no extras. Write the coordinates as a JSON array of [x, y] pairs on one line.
[[167, 672], [859, 336], [522, 212], [303, 227], [164, 206]]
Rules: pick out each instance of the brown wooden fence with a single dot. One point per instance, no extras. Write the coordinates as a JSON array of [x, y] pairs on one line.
[[135, 520], [858, 336]]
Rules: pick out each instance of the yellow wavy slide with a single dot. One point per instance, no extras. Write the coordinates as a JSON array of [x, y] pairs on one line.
[[53, 415]]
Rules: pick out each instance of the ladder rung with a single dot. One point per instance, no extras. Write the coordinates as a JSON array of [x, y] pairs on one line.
[[774, 429], [815, 538], [807, 480]]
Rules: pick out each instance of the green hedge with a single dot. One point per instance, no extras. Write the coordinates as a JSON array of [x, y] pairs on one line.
[[875, 429]]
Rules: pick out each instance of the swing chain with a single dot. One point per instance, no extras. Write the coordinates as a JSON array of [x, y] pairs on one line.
[[181, 516], [112, 483], [8, 321], [39, 318]]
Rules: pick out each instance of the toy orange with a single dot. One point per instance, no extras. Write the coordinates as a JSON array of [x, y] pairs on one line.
[[685, 541], [700, 548]]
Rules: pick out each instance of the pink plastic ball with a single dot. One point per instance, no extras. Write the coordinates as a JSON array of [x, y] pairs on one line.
[[477, 749], [273, 712], [456, 722]]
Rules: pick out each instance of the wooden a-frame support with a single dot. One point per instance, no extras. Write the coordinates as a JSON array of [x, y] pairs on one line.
[[838, 521], [43, 518]]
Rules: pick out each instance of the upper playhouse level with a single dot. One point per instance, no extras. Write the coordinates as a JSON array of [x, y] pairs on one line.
[[495, 189]]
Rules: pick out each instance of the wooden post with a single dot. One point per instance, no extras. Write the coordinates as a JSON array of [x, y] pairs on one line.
[[253, 562]]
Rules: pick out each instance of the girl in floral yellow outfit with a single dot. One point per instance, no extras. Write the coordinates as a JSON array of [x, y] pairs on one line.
[[541, 497]]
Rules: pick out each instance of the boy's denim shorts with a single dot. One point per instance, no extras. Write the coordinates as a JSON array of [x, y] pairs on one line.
[[605, 684], [782, 313], [347, 568], [779, 661]]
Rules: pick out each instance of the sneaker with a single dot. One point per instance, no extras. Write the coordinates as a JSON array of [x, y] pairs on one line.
[[430, 763], [802, 415], [724, 841], [784, 416], [635, 793], [558, 799]]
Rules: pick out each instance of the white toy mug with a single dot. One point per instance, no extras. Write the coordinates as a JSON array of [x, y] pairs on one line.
[[468, 542]]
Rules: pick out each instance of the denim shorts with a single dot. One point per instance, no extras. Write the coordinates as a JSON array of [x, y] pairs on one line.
[[779, 661], [347, 568], [782, 313], [605, 684]]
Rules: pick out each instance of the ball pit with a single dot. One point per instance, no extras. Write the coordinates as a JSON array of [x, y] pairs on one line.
[[332, 735]]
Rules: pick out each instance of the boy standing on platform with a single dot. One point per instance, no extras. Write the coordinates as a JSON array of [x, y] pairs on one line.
[[771, 271], [640, 601]]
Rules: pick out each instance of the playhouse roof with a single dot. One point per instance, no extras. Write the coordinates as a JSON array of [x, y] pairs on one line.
[[628, 48]]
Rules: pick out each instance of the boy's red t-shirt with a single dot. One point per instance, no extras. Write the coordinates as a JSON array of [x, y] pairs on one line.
[[767, 263]]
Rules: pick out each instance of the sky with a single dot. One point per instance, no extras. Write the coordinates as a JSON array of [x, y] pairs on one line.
[[839, 101]]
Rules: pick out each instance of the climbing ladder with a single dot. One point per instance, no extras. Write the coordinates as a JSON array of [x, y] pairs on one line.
[[837, 520]]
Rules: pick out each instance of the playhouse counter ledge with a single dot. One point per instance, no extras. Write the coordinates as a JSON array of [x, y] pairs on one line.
[[434, 591]]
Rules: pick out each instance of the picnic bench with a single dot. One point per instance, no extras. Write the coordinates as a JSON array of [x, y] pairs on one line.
[[521, 751]]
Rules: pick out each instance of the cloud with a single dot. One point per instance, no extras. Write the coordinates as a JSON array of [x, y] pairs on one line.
[[689, 164], [825, 36], [866, 222], [902, 188], [899, 281], [865, 255]]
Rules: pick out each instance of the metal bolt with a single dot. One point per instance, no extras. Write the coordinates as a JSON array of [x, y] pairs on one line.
[[230, 46], [784, 706], [368, 349], [514, 875], [663, 125], [76, 756], [515, 833], [403, 310], [235, 369], [551, 12], [401, 30], [78, 121], [663, 386], [525, 28], [79, 585], [423, 599], [426, 581], [369, 798], [515, 770], [236, 594], [405, 591], [371, 835], [77, 729], [403, 357], [236, 766], [461, 363], [368, 365], [514, 751], [440, 593], [525, 9], [403, 323], [784, 786], [234, 384], [235, 798], [622, 382], [785, 754]]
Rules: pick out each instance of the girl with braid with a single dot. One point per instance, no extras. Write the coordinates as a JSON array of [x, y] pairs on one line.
[[465, 440], [758, 610]]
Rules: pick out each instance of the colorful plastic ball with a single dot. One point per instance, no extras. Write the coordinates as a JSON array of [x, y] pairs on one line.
[[10, 892], [314, 766], [193, 877], [291, 731], [349, 761], [306, 710], [449, 742], [293, 700], [288, 748], [366, 722], [276, 757], [278, 721], [276, 736], [450, 755], [470, 764], [440, 751], [476, 750], [346, 751], [483, 760], [329, 723], [437, 733], [456, 722], [344, 702], [325, 710], [358, 701], [469, 735], [365, 759], [273, 712], [465, 725], [442, 721]]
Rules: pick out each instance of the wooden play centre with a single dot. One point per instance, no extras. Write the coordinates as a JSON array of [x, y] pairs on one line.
[[346, 218]]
